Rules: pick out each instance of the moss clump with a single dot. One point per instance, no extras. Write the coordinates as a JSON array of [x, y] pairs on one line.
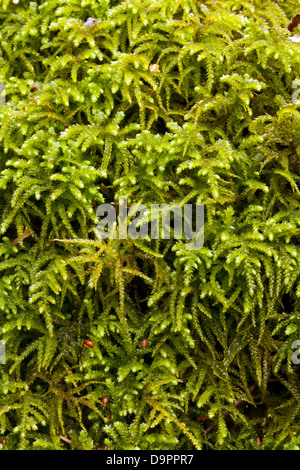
[[160, 102]]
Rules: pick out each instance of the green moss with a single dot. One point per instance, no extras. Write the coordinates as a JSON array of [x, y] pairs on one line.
[[167, 101]]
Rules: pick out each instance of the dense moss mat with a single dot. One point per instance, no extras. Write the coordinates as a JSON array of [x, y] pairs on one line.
[[172, 101]]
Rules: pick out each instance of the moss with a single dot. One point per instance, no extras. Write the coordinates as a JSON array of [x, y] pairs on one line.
[[164, 102]]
